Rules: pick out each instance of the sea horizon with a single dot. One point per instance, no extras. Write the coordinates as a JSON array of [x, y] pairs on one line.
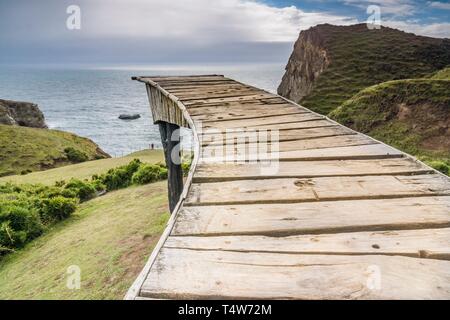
[[87, 99]]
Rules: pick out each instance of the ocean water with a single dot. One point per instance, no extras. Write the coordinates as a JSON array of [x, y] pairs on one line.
[[87, 101]]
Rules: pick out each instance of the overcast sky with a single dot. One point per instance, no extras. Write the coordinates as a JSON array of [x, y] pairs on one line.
[[164, 31]]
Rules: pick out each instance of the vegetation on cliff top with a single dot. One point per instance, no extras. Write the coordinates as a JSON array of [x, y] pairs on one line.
[[360, 58], [412, 115], [443, 74], [31, 149]]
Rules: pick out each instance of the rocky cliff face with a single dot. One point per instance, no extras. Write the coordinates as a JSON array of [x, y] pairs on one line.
[[21, 114], [308, 60], [330, 64]]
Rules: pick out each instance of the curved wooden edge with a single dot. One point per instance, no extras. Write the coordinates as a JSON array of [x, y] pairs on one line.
[[135, 288]]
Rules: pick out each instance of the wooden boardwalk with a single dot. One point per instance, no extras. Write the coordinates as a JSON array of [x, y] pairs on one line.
[[342, 217]]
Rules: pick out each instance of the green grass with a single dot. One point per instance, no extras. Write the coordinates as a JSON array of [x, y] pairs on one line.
[[83, 170], [411, 115], [361, 58], [109, 238], [30, 149], [443, 74]]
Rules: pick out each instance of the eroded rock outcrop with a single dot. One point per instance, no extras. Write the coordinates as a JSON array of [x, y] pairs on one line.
[[330, 64], [307, 61], [18, 113]]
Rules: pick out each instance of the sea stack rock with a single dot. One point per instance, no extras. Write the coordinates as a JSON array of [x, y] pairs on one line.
[[18, 113], [129, 116]]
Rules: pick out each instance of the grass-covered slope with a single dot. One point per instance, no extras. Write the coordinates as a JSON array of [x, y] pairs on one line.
[[412, 115], [83, 170], [31, 149], [109, 238], [443, 74], [359, 58]]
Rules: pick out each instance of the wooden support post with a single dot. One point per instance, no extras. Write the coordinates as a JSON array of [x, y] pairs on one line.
[[170, 137]]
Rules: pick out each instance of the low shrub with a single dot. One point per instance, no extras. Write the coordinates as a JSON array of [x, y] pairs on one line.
[[57, 208], [26, 210], [84, 190], [148, 173], [119, 177], [75, 155], [439, 165], [18, 225], [186, 166]]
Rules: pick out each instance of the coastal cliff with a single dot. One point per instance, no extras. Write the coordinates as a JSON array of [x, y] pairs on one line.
[[24, 114], [307, 61], [329, 64], [28, 145]]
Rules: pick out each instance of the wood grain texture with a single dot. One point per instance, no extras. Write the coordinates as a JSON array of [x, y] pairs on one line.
[[191, 274], [228, 116], [314, 217], [316, 211], [202, 101], [307, 169], [262, 136], [425, 243], [221, 112], [257, 122], [278, 149], [291, 190], [365, 151]]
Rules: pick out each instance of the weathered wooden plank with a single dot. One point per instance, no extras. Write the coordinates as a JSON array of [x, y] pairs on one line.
[[253, 135], [187, 78], [424, 243], [314, 218], [296, 125], [249, 116], [210, 90], [261, 122], [272, 100], [262, 95], [307, 169], [316, 189], [243, 152], [281, 127], [194, 84], [218, 95], [240, 109], [192, 274], [230, 114], [215, 85], [371, 151]]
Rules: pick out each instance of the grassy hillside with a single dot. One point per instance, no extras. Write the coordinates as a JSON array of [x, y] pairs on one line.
[[443, 74], [109, 238], [83, 170], [360, 58], [30, 149], [412, 115]]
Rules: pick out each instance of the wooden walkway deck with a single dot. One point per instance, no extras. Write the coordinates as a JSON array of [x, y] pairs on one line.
[[343, 216]]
